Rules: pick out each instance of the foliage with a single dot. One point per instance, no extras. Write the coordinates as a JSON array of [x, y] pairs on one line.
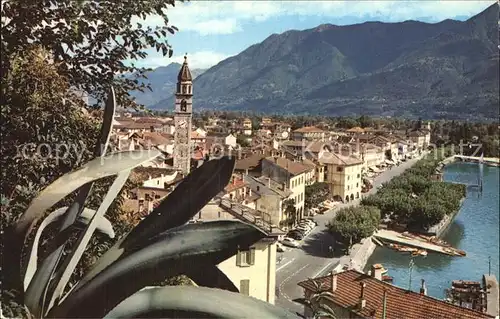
[[316, 194], [160, 246], [88, 40], [290, 211], [414, 199], [352, 224], [242, 141], [316, 302]]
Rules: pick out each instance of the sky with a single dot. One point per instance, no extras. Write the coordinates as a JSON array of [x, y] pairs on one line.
[[211, 31]]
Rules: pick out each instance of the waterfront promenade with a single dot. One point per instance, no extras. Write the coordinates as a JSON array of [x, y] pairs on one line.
[[314, 258]]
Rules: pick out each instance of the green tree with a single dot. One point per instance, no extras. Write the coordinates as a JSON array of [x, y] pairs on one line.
[[89, 41], [316, 194], [352, 224], [290, 211], [242, 141]]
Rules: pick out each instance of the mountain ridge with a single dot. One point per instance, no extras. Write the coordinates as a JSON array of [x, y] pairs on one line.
[[409, 68]]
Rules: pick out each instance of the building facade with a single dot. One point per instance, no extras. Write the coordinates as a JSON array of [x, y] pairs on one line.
[[343, 173], [183, 119]]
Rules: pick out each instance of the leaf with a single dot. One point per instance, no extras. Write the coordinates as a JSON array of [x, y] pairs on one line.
[[167, 255], [104, 227], [194, 302], [48, 267], [70, 263], [188, 198], [68, 183], [211, 277]]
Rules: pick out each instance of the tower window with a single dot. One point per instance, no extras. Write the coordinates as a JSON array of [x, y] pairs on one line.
[[184, 90], [183, 106]]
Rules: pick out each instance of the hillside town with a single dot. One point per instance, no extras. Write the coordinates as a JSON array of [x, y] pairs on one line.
[[276, 170], [329, 161]]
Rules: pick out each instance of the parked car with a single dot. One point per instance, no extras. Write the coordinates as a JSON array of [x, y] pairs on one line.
[[303, 228], [311, 222], [307, 227], [295, 234], [290, 242]]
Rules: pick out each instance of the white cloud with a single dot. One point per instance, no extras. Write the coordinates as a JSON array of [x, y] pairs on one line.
[[225, 17]]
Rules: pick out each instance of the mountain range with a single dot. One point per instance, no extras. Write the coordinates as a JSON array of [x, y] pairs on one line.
[[409, 69], [163, 81]]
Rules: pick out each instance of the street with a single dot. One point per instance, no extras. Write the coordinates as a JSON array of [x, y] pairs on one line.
[[313, 257]]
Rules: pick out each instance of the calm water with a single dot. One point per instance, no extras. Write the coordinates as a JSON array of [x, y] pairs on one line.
[[475, 230]]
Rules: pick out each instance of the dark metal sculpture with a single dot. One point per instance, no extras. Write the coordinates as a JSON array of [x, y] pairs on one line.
[[161, 246]]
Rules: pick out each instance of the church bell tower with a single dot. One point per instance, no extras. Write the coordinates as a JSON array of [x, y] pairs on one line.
[[183, 119]]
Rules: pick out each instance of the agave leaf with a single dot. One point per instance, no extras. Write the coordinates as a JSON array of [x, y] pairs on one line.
[[96, 169], [212, 277], [169, 254], [49, 265], [194, 302], [70, 263], [104, 227], [191, 195]]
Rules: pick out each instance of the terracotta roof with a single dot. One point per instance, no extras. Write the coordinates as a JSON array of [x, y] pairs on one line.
[[309, 129], [149, 120], [251, 162], [294, 168], [142, 173], [356, 129], [235, 184], [155, 138], [337, 159], [135, 125], [400, 303]]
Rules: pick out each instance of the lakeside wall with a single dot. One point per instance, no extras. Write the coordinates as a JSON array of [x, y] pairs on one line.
[[359, 255], [439, 229]]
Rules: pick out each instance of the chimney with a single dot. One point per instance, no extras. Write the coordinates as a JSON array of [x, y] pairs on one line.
[[269, 182], [334, 281], [376, 271], [284, 185], [362, 301], [246, 171], [423, 289]]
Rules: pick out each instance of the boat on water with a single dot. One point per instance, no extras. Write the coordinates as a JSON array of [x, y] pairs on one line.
[[404, 249], [419, 252]]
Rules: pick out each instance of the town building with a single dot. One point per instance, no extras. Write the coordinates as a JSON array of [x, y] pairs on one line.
[[270, 198], [252, 271], [293, 174], [352, 294], [343, 173], [309, 133]]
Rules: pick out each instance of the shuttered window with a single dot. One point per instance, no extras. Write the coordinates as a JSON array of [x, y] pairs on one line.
[[245, 258], [245, 287]]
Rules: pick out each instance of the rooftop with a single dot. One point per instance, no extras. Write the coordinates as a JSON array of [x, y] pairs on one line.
[[309, 129], [294, 168], [400, 303], [340, 160]]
